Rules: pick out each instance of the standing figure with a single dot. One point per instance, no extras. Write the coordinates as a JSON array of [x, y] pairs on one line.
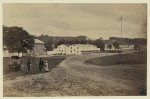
[[45, 66], [28, 64], [41, 65]]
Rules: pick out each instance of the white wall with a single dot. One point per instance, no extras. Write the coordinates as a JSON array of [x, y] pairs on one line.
[[75, 49], [11, 54]]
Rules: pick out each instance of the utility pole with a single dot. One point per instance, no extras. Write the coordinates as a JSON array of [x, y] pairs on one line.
[[120, 43], [121, 31]]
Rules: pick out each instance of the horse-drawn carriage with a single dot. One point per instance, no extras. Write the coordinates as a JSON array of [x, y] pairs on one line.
[[15, 63]]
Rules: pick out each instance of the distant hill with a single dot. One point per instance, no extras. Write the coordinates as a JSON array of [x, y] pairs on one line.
[[142, 41], [46, 38], [55, 39]]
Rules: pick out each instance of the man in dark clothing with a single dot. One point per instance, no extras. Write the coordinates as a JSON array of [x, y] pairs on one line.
[[41, 65], [28, 64]]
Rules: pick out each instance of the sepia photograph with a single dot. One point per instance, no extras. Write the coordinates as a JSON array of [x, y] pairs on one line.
[[74, 49]]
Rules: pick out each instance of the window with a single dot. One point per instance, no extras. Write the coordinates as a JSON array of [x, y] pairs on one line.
[[77, 47], [71, 47]]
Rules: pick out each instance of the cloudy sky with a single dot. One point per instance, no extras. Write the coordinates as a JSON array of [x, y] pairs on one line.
[[92, 20]]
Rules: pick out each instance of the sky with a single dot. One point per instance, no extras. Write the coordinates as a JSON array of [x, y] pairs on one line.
[[93, 20]]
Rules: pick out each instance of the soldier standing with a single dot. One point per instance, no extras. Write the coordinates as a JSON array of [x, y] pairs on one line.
[[41, 65], [28, 64], [45, 66]]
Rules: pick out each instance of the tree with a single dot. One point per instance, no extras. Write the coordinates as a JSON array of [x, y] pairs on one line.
[[109, 46], [44, 38], [137, 47], [49, 45], [62, 41], [116, 45], [17, 39], [100, 44]]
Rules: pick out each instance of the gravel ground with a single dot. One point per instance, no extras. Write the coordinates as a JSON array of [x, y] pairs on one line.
[[74, 77]]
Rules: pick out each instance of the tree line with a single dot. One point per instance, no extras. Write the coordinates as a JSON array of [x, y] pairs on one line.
[[53, 42], [129, 41], [19, 40]]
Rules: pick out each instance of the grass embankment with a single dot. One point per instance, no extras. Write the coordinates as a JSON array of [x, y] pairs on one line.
[[124, 59], [52, 61], [129, 69]]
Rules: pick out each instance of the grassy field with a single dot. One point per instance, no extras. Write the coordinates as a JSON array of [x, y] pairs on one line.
[[124, 59], [52, 61], [77, 76], [130, 69]]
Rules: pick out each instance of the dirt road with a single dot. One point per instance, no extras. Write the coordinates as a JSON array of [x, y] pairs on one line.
[[106, 75], [74, 77]]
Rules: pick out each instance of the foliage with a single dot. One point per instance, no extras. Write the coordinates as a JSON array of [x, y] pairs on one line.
[[62, 41], [137, 47], [141, 41], [100, 44], [17, 39], [109, 46], [116, 45], [56, 41], [49, 45]]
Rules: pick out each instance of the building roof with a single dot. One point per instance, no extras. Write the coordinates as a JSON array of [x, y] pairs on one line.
[[85, 45], [67, 45], [38, 41], [64, 45], [82, 45]]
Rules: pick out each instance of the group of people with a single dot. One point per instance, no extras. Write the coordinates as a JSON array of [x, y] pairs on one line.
[[43, 65]]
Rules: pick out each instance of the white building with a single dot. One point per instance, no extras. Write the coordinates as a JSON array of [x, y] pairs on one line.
[[75, 49], [5, 49]]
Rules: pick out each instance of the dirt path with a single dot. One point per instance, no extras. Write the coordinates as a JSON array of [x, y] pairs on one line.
[[77, 66]]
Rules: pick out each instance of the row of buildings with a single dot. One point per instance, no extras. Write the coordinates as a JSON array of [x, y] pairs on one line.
[[64, 49], [75, 49]]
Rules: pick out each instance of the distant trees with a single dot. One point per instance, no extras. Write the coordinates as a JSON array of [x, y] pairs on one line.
[[62, 41], [137, 47], [17, 39], [56, 41], [49, 45], [100, 44], [109, 46], [129, 41], [75, 41], [44, 38], [116, 45]]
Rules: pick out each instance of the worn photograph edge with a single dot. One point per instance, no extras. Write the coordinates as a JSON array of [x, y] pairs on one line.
[[73, 1]]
